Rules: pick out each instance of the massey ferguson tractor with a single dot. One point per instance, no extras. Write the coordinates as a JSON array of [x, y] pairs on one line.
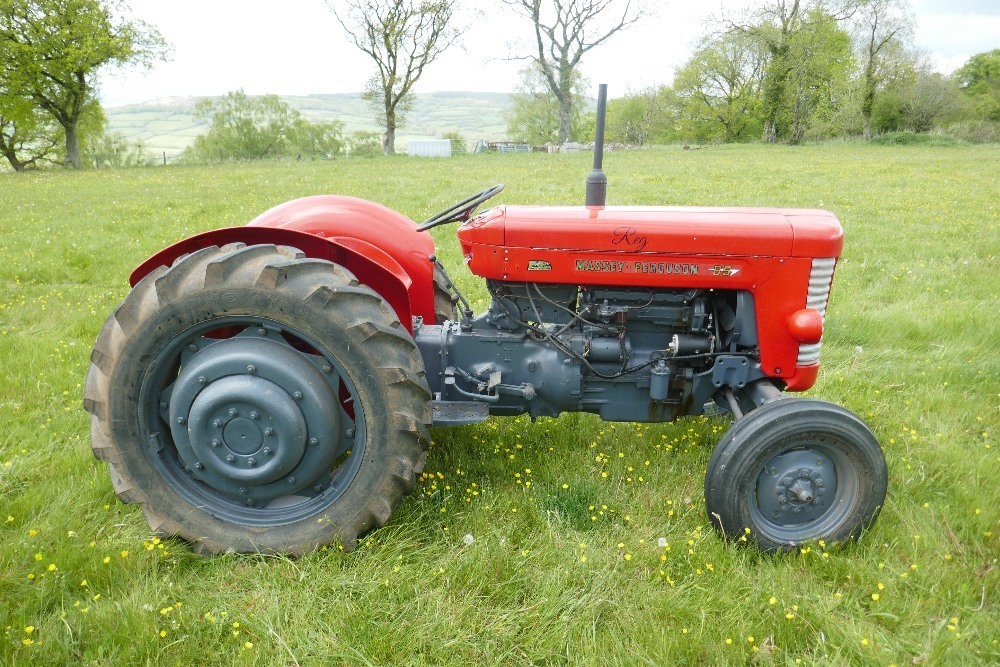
[[271, 387]]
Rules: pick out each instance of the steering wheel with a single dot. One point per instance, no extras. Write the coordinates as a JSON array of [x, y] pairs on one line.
[[461, 211]]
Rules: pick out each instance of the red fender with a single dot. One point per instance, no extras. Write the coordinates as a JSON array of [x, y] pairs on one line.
[[378, 245]]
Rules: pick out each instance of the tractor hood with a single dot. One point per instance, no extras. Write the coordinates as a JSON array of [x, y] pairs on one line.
[[719, 232]]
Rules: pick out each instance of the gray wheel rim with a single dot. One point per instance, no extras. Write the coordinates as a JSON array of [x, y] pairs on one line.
[[258, 427], [803, 491]]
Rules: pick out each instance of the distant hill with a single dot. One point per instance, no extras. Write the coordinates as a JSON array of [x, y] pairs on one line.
[[168, 124]]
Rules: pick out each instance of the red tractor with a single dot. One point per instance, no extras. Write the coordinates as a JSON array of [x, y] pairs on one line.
[[270, 387]]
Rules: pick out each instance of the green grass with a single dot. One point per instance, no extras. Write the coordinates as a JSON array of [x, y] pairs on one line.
[[566, 569]]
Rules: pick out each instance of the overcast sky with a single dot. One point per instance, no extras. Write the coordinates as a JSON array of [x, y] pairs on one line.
[[296, 47]]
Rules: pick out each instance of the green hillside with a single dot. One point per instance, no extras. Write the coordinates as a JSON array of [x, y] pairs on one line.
[[168, 124]]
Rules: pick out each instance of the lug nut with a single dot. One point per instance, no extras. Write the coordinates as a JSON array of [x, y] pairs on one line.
[[291, 480], [217, 423], [314, 441], [268, 431], [251, 369], [327, 368], [198, 466], [782, 500], [254, 414], [233, 412], [266, 451], [202, 379], [243, 490], [251, 462], [180, 420], [230, 458], [216, 443], [297, 396]]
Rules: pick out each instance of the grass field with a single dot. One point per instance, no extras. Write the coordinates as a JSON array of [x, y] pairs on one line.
[[566, 565]]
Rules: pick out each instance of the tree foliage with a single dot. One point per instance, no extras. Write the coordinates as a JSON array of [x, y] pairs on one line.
[[535, 116], [52, 50], [253, 128], [29, 137], [881, 28], [979, 79], [720, 89], [648, 116], [402, 37], [564, 31], [819, 61]]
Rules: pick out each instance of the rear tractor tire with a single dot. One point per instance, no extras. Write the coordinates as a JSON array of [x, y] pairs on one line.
[[795, 471], [255, 400]]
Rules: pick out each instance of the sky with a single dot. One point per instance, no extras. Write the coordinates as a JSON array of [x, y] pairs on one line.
[[296, 47]]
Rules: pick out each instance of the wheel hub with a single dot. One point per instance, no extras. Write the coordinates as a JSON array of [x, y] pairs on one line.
[[792, 487], [255, 419], [231, 445]]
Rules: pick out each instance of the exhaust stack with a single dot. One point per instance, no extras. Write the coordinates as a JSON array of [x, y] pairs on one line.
[[597, 181]]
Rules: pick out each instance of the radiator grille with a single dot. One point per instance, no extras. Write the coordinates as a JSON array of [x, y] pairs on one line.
[[820, 280]]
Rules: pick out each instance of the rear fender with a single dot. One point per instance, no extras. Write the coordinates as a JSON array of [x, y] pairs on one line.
[[378, 245]]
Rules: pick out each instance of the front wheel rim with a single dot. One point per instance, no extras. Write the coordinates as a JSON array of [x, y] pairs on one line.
[[805, 491], [252, 421]]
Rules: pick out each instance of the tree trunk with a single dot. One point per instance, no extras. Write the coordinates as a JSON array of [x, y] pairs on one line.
[[72, 146], [565, 119], [14, 162], [770, 133], [868, 127], [389, 138]]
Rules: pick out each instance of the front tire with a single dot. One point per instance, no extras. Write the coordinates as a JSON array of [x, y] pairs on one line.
[[252, 399], [793, 471]]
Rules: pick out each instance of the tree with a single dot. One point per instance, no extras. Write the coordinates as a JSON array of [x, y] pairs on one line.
[[324, 140], [979, 79], [720, 88], [28, 137], [402, 37], [820, 60], [565, 30], [535, 116], [776, 24], [51, 51], [255, 128], [881, 28], [642, 117]]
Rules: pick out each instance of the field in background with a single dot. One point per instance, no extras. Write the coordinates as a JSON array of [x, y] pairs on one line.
[[168, 125], [564, 565]]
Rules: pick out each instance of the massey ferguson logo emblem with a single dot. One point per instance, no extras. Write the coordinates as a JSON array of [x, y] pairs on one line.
[[637, 267], [724, 271], [539, 265]]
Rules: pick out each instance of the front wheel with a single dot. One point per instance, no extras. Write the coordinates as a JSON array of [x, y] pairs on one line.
[[793, 471], [253, 399]]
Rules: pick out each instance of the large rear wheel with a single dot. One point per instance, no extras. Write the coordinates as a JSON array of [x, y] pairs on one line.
[[793, 471], [252, 399]]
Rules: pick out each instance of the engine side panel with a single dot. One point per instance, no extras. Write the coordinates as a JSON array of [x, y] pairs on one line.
[[768, 253]]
